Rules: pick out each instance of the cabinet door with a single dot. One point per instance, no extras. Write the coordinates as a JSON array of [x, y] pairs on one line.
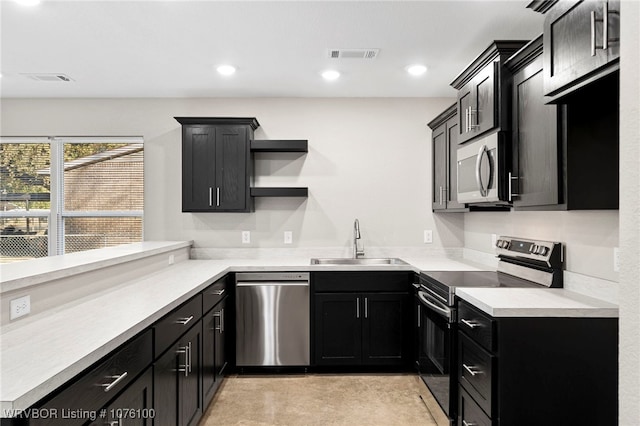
[[574, 42], [232, 155], [439, 138], [208, 355], [383, 328], [484, 109], [466, 101], [220, 359], [134, 406], [536, 150], [338, 330], [177, 381], [198, 168], [452, 168]]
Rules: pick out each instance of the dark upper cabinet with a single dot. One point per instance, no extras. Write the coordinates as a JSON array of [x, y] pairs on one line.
[[483, 91], [216, 164], [444, 137], [564, 156], [537, 167], [581, 43]]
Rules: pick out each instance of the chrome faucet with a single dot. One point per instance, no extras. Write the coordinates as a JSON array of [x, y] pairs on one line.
[[356, 236]]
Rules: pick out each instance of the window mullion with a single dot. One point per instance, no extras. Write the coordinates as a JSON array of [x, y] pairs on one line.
[[56, 222]]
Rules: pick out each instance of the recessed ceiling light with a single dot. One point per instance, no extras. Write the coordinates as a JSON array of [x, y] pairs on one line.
[[28, 2], [226, 69], [330, 75], [416, 69]]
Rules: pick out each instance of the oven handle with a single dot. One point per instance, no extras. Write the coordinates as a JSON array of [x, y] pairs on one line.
[[433, 304]]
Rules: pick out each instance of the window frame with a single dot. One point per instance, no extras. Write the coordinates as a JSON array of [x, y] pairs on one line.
[[57, 213]]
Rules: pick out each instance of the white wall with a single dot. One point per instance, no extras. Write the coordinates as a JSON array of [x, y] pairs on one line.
[[368, 158], [629, 390]]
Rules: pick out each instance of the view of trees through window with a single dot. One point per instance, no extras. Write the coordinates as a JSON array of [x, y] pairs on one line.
[[99, 198]]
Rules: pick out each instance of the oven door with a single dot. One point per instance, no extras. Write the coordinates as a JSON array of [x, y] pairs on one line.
[[480, 171], [436, 350]]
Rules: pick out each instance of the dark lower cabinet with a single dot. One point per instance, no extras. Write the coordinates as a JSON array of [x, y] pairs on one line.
[[177, 377], [134, 406], [360, 329], [536, 371], [214, 360]]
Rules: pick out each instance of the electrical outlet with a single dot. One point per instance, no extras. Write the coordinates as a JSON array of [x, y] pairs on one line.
[[20, 306], [428, 236], [616, 259], [494, 240], [172, 259], [288, 237], [246, 237]]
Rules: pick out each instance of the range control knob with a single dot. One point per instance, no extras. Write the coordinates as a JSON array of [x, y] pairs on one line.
[[533, 248], [506, 244], [543, 251]]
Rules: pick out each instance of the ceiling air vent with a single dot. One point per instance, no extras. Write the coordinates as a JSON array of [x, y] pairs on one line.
[[49, 77], [353, 53]]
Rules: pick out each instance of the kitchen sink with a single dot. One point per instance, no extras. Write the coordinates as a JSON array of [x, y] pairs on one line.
[[358, 261]]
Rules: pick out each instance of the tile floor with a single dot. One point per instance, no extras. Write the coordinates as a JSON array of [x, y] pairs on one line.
[[319, 399]]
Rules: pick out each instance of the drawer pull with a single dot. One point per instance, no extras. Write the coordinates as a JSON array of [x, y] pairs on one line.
[[184, 321], [118, 379], [466, 423], [471, 369], [218, 292], [469, 324]]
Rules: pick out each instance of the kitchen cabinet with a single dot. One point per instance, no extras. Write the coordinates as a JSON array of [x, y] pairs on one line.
[[444, 139], [514, 370], [177, 381], [356, 327], [214, 360], [536, 180], [483, 99], [106, 381], [216, 164], [134, 406], [581, 44]]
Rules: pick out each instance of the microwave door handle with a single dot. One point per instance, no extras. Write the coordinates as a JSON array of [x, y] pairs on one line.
[[481, 152]]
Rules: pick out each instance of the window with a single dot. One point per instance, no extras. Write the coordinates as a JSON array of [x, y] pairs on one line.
[[63, 195]]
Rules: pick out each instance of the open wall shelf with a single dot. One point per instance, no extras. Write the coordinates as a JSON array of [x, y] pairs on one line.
[[282, 145], [280, 192]]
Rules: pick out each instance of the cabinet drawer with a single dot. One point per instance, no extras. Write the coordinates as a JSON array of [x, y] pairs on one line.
[[214, 294], [475, 369], [93, 390], [370, 281], [477, 325], [176, 323], [470, 413]]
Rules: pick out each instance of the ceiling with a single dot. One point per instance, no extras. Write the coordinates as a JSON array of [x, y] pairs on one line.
[[172, 48]]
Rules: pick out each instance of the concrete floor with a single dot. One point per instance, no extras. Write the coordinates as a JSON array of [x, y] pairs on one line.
[[318, 399]]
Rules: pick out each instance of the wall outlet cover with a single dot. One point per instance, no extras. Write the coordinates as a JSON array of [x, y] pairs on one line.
[[616, 259], [288, 237], [428, 236], [20, 306], [246, 237]]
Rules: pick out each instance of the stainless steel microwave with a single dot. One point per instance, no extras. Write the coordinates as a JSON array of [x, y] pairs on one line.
[[482, 172]]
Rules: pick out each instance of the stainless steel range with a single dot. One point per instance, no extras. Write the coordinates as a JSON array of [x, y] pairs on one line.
[[522, 263]]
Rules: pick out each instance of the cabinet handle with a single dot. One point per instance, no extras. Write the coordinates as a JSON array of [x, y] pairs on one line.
[[511, 193], [466, 423], [366, 307], [473, 113], [357, 307], [218, 292], [184, 368], [184, 321], [217, 196], [466, 119], [440, 195], [219, 316], [189, 357], [118, 379], [470, 369], [419, 314], [593, 33], [469, 324], [605, 25]]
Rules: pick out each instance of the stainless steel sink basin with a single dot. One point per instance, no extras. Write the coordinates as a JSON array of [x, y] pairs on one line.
[[358, 261]]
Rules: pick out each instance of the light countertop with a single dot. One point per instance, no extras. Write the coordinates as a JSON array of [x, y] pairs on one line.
[[534, 302]]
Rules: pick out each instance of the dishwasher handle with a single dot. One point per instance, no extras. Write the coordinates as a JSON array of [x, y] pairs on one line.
[[272, 283]]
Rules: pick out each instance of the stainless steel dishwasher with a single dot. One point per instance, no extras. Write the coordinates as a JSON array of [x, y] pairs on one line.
[[272, 319]]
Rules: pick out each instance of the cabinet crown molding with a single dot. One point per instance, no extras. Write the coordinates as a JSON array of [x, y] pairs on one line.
[[235, 121], [526, 55], [501, 49], [443, 116], [541, 6]]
